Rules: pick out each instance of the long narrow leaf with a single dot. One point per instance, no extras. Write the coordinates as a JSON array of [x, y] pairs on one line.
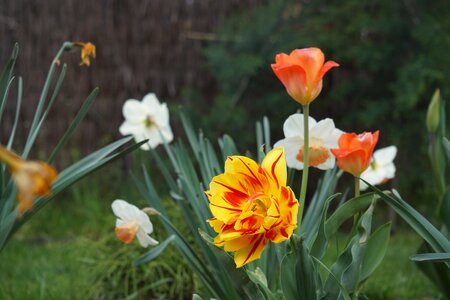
[[419, 223], [76, 121], [433, 257]]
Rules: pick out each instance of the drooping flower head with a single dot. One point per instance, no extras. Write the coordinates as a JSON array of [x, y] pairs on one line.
[[355, 151], [301, 73], [381, 168], [251, 205], [147, 119], [323, 136], [132, 222], [32, 178], [87, 51]]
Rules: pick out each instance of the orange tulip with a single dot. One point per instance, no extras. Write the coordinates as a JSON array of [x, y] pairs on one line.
[[301, 73], [251, 205], [355, 151], [33, 178]]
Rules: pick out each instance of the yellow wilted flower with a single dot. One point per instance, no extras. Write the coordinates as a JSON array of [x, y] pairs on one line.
[[33, 178], [87, 51], [251, 205]]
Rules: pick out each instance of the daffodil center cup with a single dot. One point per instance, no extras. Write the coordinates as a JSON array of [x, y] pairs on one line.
[[254, 212], [318, 153], [127, 232], [373, 165], [149, 122]]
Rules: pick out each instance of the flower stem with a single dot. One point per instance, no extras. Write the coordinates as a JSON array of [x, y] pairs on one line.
[[357, 193], [305, 163]]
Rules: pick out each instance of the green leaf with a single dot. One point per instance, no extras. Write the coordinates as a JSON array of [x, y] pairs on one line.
[[344, 293], [321, 240], [5, 78], [243, 287], [346, 211], [376, 249], [227, 146], [419, 223], [16, 117], [35, 130], [155, 252], [446, 145], [259, 278], [347, 268], [76, 121], [312, 218], [298, 273], [445, 209], [433, 257]]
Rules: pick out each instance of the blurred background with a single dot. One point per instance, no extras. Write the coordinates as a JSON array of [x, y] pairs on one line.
[[213, 59]]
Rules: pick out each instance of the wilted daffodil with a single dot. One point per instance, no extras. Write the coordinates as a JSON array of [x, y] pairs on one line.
[[251, 205], [32, 178], [301, 73], [323, 135], [147, 119], [381, 168], [87, 51], [355, 151], [132, 222]]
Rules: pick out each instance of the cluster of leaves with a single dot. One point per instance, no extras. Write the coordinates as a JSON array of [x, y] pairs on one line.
[[391, 57]]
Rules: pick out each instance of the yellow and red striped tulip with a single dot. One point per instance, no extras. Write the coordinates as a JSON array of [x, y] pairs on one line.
[[251, 205]]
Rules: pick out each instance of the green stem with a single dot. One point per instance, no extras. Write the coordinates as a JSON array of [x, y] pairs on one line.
[[357, 193], [357, 187], [305, 163]]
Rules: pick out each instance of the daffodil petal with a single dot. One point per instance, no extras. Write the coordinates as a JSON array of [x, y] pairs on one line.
[[385, 155]]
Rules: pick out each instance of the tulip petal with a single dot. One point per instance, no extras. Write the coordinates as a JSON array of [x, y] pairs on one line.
[[311, 59], [275, 166], [252, 252], [325, 68], [294, 79]]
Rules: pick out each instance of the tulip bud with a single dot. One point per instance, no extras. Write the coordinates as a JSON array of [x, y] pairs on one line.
[[433, 112], [151, 211]]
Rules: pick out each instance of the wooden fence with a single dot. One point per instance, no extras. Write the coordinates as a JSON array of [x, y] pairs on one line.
[[142, 46]]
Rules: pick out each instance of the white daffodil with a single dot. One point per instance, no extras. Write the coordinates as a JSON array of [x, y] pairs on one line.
[[147, 119], [323, 135], [382, 167], [132, 222]]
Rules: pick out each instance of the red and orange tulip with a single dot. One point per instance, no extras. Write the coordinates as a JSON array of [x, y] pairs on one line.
[[355, 151], [251, 205], [301, 73]]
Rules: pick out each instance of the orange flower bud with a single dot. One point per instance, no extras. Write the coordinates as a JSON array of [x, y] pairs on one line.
[[355, 151], [33, 178], [301, 73], [87, 51]]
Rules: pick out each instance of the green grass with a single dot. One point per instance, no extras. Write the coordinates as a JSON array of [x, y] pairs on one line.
[[69, 251]]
